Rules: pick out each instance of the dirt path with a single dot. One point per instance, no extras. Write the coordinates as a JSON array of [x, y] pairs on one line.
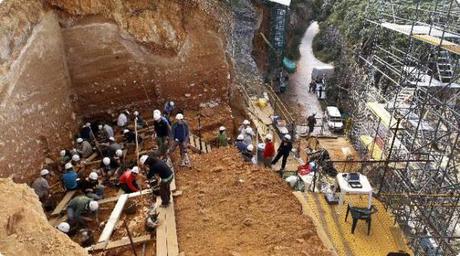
[[233, 208], [297, 93]]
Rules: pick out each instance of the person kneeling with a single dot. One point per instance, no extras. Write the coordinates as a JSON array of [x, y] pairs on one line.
[[128, 181]]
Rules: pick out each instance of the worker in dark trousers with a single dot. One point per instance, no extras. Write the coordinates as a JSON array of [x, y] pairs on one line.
[[311, 122], [161, 169], [283, 151]]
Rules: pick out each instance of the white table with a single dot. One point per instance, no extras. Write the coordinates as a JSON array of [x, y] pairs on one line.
[[345, 187]]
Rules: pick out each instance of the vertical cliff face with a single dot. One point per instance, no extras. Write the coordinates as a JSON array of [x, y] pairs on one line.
[[35, 111]]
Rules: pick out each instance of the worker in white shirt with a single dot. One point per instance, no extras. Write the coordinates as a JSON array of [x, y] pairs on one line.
[[122, 120]]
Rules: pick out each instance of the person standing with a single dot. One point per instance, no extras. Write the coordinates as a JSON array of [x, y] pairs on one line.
[[122, 120], [156, 167], [248, 135], [283, 151], [168, 109], [139, 120], [311, 122], [162, 131], [269, 151], [222, 138], [180, 136], [42, 187], [239, 144]]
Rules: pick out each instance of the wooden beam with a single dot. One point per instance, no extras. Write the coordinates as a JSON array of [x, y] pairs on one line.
[[131, 195], [118, 243], [60, 207], [113, 219], [171, 235], [161, 244], [55, 221]]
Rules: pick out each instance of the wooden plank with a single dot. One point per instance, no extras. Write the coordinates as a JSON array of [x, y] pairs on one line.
[[55, 221], [171, 235], [60, 207], [113, 219], [91, 157], [119, 243], [192, 140], [161, 244], [208, 148], [197, 143], [131, 195]]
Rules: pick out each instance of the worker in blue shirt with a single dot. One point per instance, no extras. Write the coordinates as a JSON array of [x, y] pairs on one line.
[[70, 178]]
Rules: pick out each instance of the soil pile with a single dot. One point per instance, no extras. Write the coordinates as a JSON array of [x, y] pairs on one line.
[[24, 229], [229, 207]]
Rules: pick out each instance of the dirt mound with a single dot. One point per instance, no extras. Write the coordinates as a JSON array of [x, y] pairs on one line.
[[232, 208], [24, 229]]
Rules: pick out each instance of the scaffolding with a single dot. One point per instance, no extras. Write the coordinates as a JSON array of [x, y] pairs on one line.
[[407, 116]]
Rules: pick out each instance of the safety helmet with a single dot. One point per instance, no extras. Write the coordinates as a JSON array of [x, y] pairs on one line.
[[64, 227], [93, 176], [125, 131], [240, 137], [106, 161], [44, 172], [172, 103], [68, 166], [79, 140], [250, 147], [156, 115], [112, 139], [135, 170], [248, 130], [269, 137], [222, 128], [143, 159], [62, 153], [119, 152], [287, 137], [246, 122], [93, 205], [179, 116], [136, 113], [88, 124], [75, 158], [100, 127]]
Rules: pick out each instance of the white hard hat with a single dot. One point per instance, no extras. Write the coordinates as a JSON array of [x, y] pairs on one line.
[[250, 147], [111, 138], [248, 130], [287, 137], [44, 172], [240, 137], [126, 111], [68, 166], [156, 115], [136, 113], [62, 153], [100, 127], [222, 128], [172, 103], [88, 124], [179, 116], [75, 158], [93, 176], [246, 122], [125, 131], [93, 205], [156, 111], [64, 227], [143, 158], [269, 136], [135, 170], [119, 152], [106, 161], [79, 140]]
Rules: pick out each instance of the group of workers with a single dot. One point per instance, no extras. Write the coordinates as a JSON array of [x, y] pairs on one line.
[[244, 143], [100, 139], [114, 170]]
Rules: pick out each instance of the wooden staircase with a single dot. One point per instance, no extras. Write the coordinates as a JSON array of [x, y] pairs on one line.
[[199, 144]]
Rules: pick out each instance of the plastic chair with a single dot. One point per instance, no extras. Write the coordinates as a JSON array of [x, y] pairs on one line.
[[359, 213]]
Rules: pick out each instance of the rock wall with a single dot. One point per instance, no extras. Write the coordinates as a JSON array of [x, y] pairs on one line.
[[111, 70], [24, 229], [35, 110]]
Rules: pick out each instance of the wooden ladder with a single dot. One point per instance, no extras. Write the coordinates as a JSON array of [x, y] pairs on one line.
[[199, 144]]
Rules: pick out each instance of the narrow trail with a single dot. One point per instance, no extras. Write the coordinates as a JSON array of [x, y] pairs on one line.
[[299, 81]]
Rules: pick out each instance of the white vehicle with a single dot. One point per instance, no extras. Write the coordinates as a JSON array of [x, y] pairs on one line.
[[334, 119]]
